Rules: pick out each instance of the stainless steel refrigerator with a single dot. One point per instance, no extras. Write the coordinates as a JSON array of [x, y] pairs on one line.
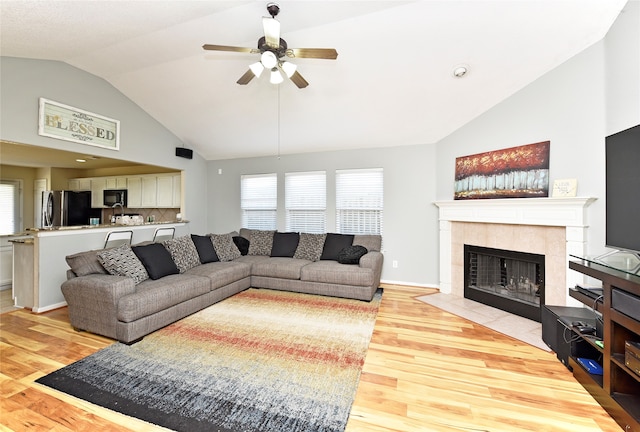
[[67, 208]]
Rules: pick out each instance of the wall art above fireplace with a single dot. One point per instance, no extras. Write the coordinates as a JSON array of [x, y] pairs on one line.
[[516, 172]]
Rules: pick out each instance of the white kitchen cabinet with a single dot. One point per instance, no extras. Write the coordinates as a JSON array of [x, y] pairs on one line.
[[177, 191], [116, 182], [149, 191], [165, 191], [134, 192], [98, 185], [80, 184]]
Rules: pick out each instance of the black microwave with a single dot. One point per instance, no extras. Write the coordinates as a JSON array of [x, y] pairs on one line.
[[112, 197]]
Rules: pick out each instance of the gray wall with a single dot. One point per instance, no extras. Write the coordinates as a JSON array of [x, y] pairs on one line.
[[575, 106], [410, 232], [142, 139]]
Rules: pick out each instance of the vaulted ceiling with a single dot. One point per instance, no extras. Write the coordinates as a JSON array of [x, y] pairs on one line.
[[392, 83]]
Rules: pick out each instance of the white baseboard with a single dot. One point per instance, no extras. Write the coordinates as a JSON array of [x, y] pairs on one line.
[[410, 284], [49, 307]]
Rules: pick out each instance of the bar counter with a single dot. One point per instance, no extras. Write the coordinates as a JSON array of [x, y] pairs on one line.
[[50, 246]]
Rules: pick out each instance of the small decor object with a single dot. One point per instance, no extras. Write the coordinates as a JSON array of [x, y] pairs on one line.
[[564, 188], [516, 172], [67, 123]]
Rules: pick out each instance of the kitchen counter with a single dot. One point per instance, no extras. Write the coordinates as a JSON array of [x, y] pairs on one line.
[[110, 226]]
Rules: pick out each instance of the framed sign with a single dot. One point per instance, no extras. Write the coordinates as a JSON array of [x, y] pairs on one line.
[[565, 188], [67, 123]]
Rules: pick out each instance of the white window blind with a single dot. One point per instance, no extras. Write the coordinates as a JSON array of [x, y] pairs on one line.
[[359, 201], [9, 207], [259, 201], [306, 201]]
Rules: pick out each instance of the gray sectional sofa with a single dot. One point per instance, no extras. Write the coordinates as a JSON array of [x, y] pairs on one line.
[[128, 292]]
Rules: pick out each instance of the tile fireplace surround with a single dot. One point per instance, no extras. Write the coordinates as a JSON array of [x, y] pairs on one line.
[[553, 227]]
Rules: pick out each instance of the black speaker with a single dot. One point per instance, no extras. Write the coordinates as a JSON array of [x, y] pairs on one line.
[[184, 152]]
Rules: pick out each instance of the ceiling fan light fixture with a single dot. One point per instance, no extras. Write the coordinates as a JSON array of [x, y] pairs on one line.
[[268, 60], [257, 69], [288, 68], [276, 76]]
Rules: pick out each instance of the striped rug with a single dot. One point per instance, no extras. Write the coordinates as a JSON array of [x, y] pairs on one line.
[[261, 360]]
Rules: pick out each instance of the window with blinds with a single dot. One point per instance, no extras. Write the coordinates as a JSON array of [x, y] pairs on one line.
[[306, 201], [359, 201], [259, 201], [9, 207]]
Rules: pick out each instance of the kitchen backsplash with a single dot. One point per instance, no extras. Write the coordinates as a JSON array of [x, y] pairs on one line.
[[159, 214]]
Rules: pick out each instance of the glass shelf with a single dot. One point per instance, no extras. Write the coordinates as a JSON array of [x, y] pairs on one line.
[[626, 262]]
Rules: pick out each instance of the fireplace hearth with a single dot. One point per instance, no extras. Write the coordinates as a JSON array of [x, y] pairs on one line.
[[512, 281]]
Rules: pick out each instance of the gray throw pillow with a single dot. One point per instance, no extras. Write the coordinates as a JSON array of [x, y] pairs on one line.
[[310, 246], [225, 247], [260, 242], [85, 263], [121, 261], [183, 252]]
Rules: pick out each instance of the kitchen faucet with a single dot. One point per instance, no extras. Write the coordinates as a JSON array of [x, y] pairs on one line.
[[121, 208]]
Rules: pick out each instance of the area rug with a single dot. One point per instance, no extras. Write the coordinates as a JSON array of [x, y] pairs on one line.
[[261, 360]]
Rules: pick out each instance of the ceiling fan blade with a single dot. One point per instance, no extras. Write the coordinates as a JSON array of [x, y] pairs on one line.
[[229, 48], [298, 80], [315, 53], [244, 79], [271, 32]]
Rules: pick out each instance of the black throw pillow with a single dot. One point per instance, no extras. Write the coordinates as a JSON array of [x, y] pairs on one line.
[[352, 254], [156, 259], [333, 244], [285, 244], [205, 248], [242, 244]]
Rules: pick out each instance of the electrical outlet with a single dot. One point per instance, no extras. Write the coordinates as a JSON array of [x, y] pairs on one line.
[[394, 264]]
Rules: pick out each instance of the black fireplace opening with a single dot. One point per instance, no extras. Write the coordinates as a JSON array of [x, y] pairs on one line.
[[512, 281]]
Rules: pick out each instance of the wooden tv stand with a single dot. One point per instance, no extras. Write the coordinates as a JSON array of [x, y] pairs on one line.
[[618, 388]]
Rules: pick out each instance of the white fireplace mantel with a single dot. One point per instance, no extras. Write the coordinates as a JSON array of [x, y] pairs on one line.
[[556, 212]]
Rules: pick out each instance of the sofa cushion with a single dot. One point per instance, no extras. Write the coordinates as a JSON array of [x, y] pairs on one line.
[[242, 244], [373, 242], [156, 259], [205, 249], [260, 242], [85, 263], [222, 273], [224, 246], [334, 244], [310, 246], [183, 252], [121, 261], [282, 268], [153, 296], [333, 272], [285, 244], [351, 254]]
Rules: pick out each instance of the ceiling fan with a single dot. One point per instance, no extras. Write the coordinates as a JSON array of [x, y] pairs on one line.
[[272, 50]]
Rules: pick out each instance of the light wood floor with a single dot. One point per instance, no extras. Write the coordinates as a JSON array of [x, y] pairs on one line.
[[426, 370]]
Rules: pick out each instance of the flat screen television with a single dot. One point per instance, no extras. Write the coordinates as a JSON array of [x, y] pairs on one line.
[[623, 190]]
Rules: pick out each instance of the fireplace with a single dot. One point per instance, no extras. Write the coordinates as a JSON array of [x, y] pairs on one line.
[[553, 227], [509, 280]]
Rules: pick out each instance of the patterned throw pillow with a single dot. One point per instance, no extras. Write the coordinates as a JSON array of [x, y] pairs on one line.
[[310, 246], [121, 261], [183, 252], [225, 247], [260, 242]]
